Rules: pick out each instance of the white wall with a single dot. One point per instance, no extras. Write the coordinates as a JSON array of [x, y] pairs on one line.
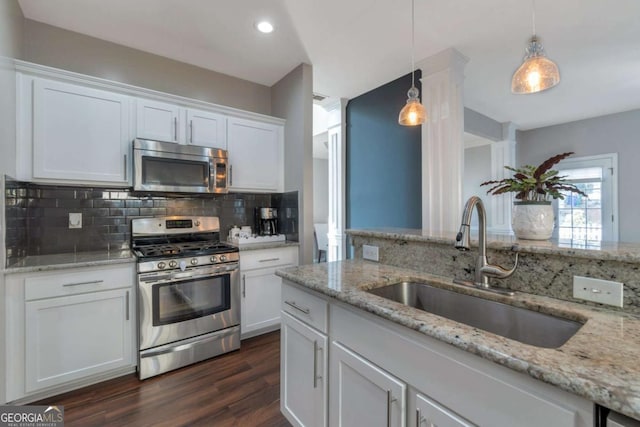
[[320, 190], [292, 99], [615, 133], [477, 169]]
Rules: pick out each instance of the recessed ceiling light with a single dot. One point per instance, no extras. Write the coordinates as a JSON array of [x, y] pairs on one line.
[[264, 27]]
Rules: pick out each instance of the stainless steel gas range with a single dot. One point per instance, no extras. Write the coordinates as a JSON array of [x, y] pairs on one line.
[[188, 292]]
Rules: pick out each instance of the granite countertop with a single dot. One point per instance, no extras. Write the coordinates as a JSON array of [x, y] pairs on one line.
[[598, 250], [70, 260], [598, 363]]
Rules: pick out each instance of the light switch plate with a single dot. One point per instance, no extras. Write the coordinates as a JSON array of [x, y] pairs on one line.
[[75, 220], [370, 252], [598, 290]]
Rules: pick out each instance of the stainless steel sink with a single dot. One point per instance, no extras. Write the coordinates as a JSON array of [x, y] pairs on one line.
[[520, 324]]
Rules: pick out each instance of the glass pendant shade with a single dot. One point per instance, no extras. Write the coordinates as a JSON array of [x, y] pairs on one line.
[[413, 113], [537, 72]]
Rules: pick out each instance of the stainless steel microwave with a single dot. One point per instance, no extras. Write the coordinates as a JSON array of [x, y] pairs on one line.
[[176, 168]]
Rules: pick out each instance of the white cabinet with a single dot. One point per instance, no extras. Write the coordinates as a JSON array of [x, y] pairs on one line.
[[261, 288], [363, 394], [67, 328], [73, 133], [161, 121], [71, 337], [303, 382], [256, 154], [206, 129], [428, 413], [158, 121], [381, 373]]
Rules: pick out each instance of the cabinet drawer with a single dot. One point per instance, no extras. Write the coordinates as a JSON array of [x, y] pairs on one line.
[[265, 258], [304, 306], [78, 281]]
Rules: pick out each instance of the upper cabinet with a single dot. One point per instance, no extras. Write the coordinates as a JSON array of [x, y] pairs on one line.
[[158, 121], [78, 130], [256, 154], [161, 121], [206, 129], [78, 133]]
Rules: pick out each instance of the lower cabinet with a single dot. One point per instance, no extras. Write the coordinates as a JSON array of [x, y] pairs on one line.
[[384, 374], [362, 394], [68, 338], [68, 328], [303, 397], [261, 288]]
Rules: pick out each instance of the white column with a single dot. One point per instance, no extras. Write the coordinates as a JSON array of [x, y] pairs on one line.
[[503, 153], [337, 173], [442, 143]]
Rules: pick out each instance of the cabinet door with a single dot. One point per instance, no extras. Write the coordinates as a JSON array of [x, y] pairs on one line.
[[207, 129], [255, 155], [261, 291], [158, 121], [79, 133], [303, 362], [362, 394], [71, 337], [429, 413]]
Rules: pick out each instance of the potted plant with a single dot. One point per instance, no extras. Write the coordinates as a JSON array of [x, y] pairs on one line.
[[534, 187]]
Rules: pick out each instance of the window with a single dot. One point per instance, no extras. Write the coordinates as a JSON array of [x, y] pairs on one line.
[[593, 218]]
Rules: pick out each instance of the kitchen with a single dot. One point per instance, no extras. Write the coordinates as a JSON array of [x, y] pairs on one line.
[[285, 101]]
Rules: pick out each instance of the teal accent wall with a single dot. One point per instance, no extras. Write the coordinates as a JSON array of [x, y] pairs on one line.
[[383, 182]]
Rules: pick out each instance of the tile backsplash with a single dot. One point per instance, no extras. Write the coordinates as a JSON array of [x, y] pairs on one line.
[[38, 215]]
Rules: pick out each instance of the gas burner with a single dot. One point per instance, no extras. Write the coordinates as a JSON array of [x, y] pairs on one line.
[[178, 242]]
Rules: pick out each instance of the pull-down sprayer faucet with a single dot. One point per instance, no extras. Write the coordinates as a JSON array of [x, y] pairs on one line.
[[484, 270]]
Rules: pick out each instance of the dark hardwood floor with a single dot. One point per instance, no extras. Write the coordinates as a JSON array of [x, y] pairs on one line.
[[236, 389]]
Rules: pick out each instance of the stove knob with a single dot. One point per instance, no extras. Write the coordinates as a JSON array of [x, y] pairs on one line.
[[173, 264], [194, 261], [161, 265], [214, 259], [223, 258], [196, 223]]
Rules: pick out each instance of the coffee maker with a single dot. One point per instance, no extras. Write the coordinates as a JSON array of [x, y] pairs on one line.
[[267, 221]]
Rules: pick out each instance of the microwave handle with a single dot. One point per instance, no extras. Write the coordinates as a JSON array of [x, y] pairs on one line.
[[230, 175]]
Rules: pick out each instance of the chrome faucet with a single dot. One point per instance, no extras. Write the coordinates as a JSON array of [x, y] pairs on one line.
[[484, 270]]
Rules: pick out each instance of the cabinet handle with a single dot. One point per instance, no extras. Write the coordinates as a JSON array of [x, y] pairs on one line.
[[389, 397], [125, 168], [315, 364], [191, 131], [230, 175], [93, 282], [297, 307], [269, 260], [127, 307], [175, 129], [244, 286]]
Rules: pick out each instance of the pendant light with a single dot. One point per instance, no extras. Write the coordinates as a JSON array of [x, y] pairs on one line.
[[537, 72], [413, 113]]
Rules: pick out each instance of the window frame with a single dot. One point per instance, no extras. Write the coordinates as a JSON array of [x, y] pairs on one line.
[[609, 189]]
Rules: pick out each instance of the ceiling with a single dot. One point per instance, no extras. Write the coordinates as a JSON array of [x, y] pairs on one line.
[[357, 45]]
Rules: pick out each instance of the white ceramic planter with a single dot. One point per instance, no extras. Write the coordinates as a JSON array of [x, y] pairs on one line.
[[532, 220]]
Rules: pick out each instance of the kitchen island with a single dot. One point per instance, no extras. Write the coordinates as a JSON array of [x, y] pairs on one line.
[[598, 363]]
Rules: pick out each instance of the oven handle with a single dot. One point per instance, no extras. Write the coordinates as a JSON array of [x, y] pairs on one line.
[[210, 273]]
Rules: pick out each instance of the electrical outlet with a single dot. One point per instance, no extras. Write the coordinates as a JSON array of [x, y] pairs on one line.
[[370, 252], [75, 220], [598, 290]]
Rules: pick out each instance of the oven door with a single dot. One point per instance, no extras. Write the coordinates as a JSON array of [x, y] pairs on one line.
[[179, 305]]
